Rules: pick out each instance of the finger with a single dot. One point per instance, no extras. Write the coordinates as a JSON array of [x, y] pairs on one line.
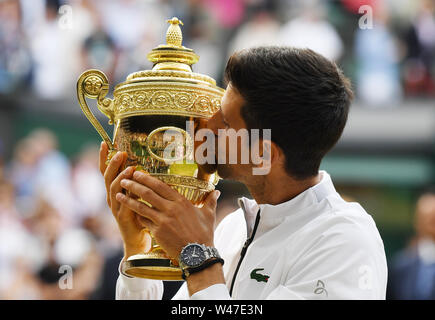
[[143, 222], [159, 187], [138, 207], [210, 202], [145, 193], [104, 151], [134, 225], [112, 171], [126, 215], [116, 187]]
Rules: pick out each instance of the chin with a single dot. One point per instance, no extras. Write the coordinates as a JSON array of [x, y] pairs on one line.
[[225, 172], [207, 168]]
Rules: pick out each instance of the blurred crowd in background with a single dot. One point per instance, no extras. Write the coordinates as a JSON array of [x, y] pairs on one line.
[[388, 50], [53, 212], [53, 209]]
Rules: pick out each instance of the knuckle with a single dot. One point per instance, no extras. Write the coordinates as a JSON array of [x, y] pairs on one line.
[[183, 202], [139, 176], [114, 163], [145, 192], [142, 176], [163, 223], [140, 207], [125, 183], [179, 201], [125, 173], [135, 205], [172, 207]]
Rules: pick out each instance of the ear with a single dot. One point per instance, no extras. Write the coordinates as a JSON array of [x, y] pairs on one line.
[[276, 154], [269, 156], [267, 144]]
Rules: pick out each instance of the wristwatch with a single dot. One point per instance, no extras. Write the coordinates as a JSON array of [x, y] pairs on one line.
[[195, 257]]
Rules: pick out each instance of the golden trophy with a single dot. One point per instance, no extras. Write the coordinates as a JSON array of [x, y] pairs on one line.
[[144, 109]]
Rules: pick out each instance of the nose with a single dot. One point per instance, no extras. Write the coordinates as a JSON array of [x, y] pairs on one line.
[[212, 123]]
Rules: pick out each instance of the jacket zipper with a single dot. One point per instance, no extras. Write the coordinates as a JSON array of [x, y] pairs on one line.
[[244, 249]]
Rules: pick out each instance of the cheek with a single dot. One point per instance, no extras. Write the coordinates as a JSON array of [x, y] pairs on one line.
[[230, 150], [213, 124], [224, 149]]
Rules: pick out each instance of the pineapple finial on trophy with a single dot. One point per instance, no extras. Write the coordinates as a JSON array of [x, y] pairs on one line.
[[148, 107], [173, 55], [174, 36]]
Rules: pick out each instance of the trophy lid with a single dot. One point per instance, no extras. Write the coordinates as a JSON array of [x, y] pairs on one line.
[[170, 87]]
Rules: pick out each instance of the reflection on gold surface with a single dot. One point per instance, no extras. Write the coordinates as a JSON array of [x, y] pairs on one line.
[[146, 109]]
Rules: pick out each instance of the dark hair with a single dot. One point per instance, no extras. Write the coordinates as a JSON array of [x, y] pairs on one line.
[[300, 95]]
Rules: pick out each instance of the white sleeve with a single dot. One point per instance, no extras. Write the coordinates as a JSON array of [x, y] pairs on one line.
[[138, 288], [215, 292], [147, 289]]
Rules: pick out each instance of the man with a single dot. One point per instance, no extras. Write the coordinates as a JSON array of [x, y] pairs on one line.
[[412, 270], [297, 239]]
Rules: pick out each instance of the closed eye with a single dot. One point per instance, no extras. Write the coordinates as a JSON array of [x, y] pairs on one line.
[[223, 119]]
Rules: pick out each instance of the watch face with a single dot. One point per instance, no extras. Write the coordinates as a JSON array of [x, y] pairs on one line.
[[193, 255]]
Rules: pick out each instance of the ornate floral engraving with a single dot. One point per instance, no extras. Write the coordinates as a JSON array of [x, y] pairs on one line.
[[92, 85], [203, 103], [125, 101], [184, 100], [141, 98], [150, 100], [161, 99]]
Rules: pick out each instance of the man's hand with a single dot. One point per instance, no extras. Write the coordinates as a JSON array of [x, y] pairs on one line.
[[135, 237], [173, 220]]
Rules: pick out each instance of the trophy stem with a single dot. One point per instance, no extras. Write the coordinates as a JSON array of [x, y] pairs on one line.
[[153, 265], [149, 111]]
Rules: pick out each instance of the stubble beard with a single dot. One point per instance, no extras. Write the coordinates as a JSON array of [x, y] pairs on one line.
[[225, 171]]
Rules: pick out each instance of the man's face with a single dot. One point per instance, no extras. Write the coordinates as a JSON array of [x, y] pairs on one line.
[[426, 216], [228, 120]]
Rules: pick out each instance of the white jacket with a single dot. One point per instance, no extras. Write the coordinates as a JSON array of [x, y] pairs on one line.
[[315, 246]]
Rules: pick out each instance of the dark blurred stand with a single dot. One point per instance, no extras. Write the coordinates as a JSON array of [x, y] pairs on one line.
[[107, 283]]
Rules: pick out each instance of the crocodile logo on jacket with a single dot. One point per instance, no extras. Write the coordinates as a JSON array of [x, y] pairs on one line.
[[258, 276]]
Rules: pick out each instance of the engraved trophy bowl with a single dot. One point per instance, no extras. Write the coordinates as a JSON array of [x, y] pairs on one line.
[[155, 113]]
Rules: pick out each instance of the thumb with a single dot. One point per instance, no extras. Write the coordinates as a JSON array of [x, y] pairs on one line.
[[211, 200]]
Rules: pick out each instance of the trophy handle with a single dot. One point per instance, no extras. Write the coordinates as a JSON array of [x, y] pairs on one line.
[[94, 85]]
